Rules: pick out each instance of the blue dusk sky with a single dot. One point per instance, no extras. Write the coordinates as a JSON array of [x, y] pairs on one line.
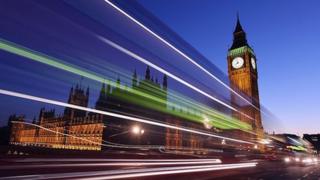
[[284, 35]]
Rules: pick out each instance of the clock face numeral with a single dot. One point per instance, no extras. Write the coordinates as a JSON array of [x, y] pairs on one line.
[[237, 62], [253, 63]]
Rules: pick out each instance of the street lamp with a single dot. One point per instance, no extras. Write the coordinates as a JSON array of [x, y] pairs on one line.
[[137, 130], [223, 141], [206, 122]]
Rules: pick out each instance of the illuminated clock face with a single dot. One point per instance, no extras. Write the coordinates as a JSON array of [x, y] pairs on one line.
[[253, 63], [237, 62]]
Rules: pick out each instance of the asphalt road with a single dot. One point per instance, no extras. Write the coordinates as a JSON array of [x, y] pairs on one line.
[[153, 169]]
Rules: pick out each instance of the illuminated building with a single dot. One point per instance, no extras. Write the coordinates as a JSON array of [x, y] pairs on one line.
[[243, 75], [152, 104], [73, 130], [79, 130], [134, 101]]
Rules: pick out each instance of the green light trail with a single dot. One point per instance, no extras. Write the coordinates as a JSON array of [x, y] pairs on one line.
[[216, 119]]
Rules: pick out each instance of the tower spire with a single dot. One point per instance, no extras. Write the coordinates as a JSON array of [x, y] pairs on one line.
[[238, 28], [239, 36]]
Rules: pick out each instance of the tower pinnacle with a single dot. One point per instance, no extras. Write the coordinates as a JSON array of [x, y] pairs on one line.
[[238, 25], [239, 36]]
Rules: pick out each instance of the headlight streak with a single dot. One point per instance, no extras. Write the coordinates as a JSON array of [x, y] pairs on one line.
[[307, 160], [112, 160], [176, 170], [287, 160], [39, 99], [116, 174], [181, 53], [143, 60], [108, 164], [36, 56]]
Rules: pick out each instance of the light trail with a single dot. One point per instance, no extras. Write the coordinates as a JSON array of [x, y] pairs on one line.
[[107, 164], [127, 173], [58, 103], [114, 145], [294, 140], [39, 57], [180, 52], [143, 60], [178, 171], [113, 160]]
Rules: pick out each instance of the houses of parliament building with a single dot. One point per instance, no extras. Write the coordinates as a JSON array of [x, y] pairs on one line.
[[80, 130], [75, 129]]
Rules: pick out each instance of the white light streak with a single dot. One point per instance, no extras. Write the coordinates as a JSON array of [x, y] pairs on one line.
[[294, 140], [112, 160], [140, 172], [179, 52], [44, 100], [109, 164], [143, 60], [178, 170]]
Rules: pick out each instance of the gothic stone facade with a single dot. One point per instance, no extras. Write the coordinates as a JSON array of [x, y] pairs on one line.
[[79, 130], [73, 130]]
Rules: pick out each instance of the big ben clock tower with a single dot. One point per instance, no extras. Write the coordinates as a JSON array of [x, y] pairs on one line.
[[243, 75]]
